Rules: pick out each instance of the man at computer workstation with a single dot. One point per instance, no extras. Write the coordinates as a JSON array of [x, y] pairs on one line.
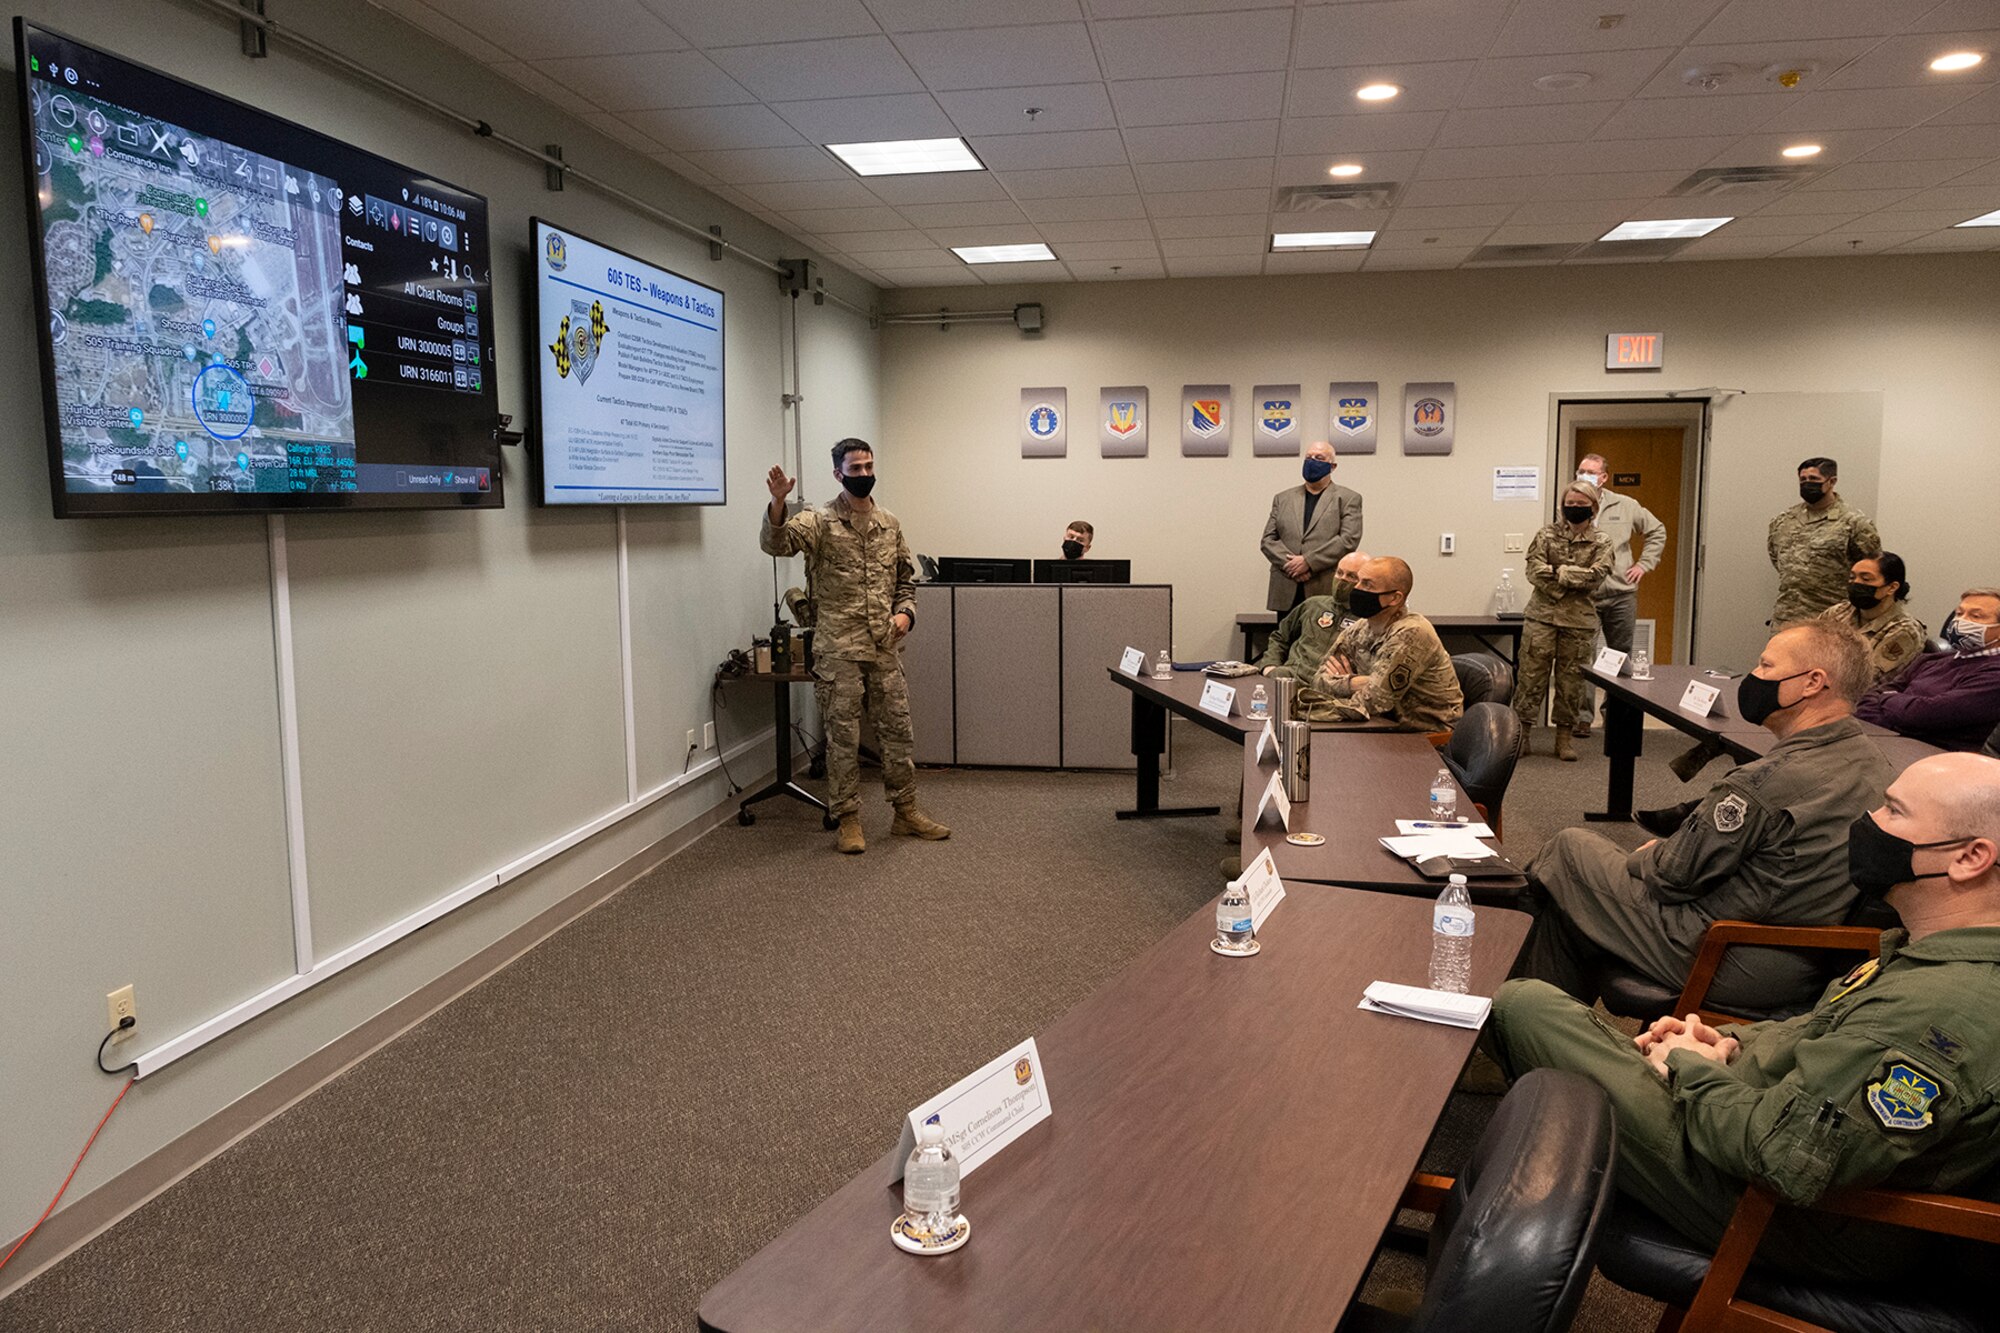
[[1076, 541]]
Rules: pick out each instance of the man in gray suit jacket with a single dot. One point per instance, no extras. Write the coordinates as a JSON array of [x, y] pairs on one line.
[[1310, 528]]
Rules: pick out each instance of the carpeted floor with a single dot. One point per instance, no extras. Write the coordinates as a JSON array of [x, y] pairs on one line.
[[597, 1135]]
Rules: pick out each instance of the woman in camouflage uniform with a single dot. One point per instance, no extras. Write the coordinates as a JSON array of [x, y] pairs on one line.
[[1874, 609], [1567, 561]]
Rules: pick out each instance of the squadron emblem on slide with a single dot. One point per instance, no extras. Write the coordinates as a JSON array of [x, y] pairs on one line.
[[579, 338]]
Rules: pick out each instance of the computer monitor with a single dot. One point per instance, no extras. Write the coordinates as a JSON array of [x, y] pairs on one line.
[[976, 569], [1083, 571]]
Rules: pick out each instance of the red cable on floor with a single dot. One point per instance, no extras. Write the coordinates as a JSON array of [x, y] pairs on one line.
[[72, 1173]]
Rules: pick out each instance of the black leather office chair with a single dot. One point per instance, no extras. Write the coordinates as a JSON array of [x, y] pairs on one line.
[[1483, 749], [1483, 678], [1515, 1238]]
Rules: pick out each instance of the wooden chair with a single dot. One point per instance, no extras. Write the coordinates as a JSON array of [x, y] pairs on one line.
[[1634, 995]]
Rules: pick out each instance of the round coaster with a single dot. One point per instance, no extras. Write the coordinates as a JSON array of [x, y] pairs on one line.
[[909, 1235], [1232, 951], [1305, 839]]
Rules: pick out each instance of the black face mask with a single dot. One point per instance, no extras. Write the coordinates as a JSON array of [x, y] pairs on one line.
[[858, 487], [1864, 596], [1811, 492], [1577, 513], [1877, 861], [1072, 550], [1757, 698], [1364, 603]]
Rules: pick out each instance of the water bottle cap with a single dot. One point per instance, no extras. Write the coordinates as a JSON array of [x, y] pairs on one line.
[[931, 1134], [1458, 880]]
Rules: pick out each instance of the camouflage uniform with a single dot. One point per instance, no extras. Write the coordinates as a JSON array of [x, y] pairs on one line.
[[862, 577], [1893, 1079], [1409, 678], [1893, 641], [1561, 627], [1300, 642], [1813, 554]]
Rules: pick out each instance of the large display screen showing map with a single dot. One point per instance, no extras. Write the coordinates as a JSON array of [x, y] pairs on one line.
[[629, 384], [242, 315]]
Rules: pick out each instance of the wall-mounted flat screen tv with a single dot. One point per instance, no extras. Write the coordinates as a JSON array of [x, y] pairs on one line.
[[628, 380], [241, 315]]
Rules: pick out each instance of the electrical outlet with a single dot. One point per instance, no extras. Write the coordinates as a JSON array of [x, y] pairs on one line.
[[708, 735], [119, 1005], [1515, 542], [1447, 543], [691, 741]]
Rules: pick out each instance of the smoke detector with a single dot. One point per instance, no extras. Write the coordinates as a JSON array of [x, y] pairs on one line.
[[1707, 78]]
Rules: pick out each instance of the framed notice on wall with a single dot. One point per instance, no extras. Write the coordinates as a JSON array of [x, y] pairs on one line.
[[1205, 420], [1044, 423], [1121, 421]]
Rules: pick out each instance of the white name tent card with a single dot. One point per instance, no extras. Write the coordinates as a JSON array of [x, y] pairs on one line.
[[1218, 698], [1267, 738], [982, 1112], [1610, 661], [1260, 880], [1274, 798], [1429, 1006], [1133, 663], [1699, 698]]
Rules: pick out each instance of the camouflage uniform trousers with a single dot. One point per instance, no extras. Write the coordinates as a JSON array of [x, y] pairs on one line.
[[845, 689], [1561, 651]]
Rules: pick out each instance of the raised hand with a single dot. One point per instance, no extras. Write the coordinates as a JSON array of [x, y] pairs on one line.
[[780, 484]]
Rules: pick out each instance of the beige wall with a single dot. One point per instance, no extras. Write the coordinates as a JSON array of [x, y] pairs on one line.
[[1921, 330]]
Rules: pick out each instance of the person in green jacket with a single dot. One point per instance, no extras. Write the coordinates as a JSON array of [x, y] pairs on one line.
[[1892, 1078], [1300, 642]]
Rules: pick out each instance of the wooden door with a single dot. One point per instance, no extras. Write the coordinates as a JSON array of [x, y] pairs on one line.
[[1645, 464]]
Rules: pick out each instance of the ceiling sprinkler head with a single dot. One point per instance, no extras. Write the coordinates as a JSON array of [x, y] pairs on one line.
[[1708, 78], [1790, 76], [1031, 111]]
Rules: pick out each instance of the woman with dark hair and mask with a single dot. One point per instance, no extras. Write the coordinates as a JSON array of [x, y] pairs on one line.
[[1567, 561], [1877, 593]]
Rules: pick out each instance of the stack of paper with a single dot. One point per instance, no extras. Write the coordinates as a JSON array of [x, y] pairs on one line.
[[1429, 1006], [1461, 843]]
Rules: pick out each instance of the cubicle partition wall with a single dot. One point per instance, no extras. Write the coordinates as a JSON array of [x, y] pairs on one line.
[[1013, 675]]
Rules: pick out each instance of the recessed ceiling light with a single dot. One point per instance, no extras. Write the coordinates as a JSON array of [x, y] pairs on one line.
[[1002, 254], [1562, 83], [1377, 92], [1663, 229], [1958, 60], [1802, 150], [906, 157], [1983, 220], [1322, 240], [1344, 169]]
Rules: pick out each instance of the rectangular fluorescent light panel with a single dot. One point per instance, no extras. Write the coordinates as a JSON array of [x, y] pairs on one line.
[[1322, 240], [1663, 229], [906, 157], [1002, 254], [1983, 220]]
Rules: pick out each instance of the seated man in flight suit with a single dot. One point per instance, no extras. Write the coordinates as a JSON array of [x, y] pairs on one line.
[[1892, 1079], [1299, 643]]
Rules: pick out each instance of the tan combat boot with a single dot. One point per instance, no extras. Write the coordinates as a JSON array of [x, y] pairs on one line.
[[849, 839], [914, 823], [1565, 745]]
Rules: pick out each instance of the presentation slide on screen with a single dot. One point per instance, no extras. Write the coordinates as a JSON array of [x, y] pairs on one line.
[[630, 378]]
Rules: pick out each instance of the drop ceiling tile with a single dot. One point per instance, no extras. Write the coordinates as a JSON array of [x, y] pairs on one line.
[[1768, 149], [1127, 9], [1519, 160], [1868, 243], [1001, 57], [1109, 229], [924, 15], [1544, 27], [788, 196], [1199, 44], [1316, 261], [1193, 143], [420, 15], [1564, 233], [1237, 173], [746, 22], [1411, 261], [1975, 199], [1427, 86], [1952, 16], [647, 82], [1750, 60], [626, 134], [1360, 134], [1451, 215], [1940, 141], [1330, 219], [839, 67], [683, 168], [1116, 270], [1064, 107], [1039, 152], [701, 129], [1227, 224], [1523, 124], [1832, 201], [1917, 175], [934, 257], [1215, 245], [929, 216], [551, 89], [1377, 167], [1738, 246], [1072, 251], [1986, 175], [874, 242], [1983, 109], [1204, 203], [1088, 208], [1867, 108], [868, 119], [1682, 117], [1600, 213], [1018, 234], [1000, 275], [1776, 20], [1796, 226], [1444, 238], [1215, 267], [1480, 190], [1698, 206], [756, 166], [1919, 220], [1903, 62], [950, 187], [1608, 185], [1614, 76], [1368, 34], [931, 277], [1194, 101], [847, 219], [611, 28], [1641, 154], [1957, 238]]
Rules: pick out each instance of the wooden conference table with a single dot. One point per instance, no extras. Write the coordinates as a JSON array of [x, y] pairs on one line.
[[1256, 627], [1628, 701], [1230, 1138]]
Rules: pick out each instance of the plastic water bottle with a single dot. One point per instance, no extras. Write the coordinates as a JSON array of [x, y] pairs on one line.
[[1503, 594], [1260, 703], [1232, 917], [930, 1183], [1642, 665], [1163, 667], [1444, 797], [1451, 938]]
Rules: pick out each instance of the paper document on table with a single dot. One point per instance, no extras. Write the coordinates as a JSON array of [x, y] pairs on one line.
[[1421, 827], [1456, 843], [1429, 1006]]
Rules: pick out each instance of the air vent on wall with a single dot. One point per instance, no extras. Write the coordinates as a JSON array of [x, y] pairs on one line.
[[1743, 180], [1522, 254], [1313, 198]]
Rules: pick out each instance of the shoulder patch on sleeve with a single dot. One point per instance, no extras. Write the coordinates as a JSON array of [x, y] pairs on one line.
[[1729, 812], [1399, 677], [1902, 1098]]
